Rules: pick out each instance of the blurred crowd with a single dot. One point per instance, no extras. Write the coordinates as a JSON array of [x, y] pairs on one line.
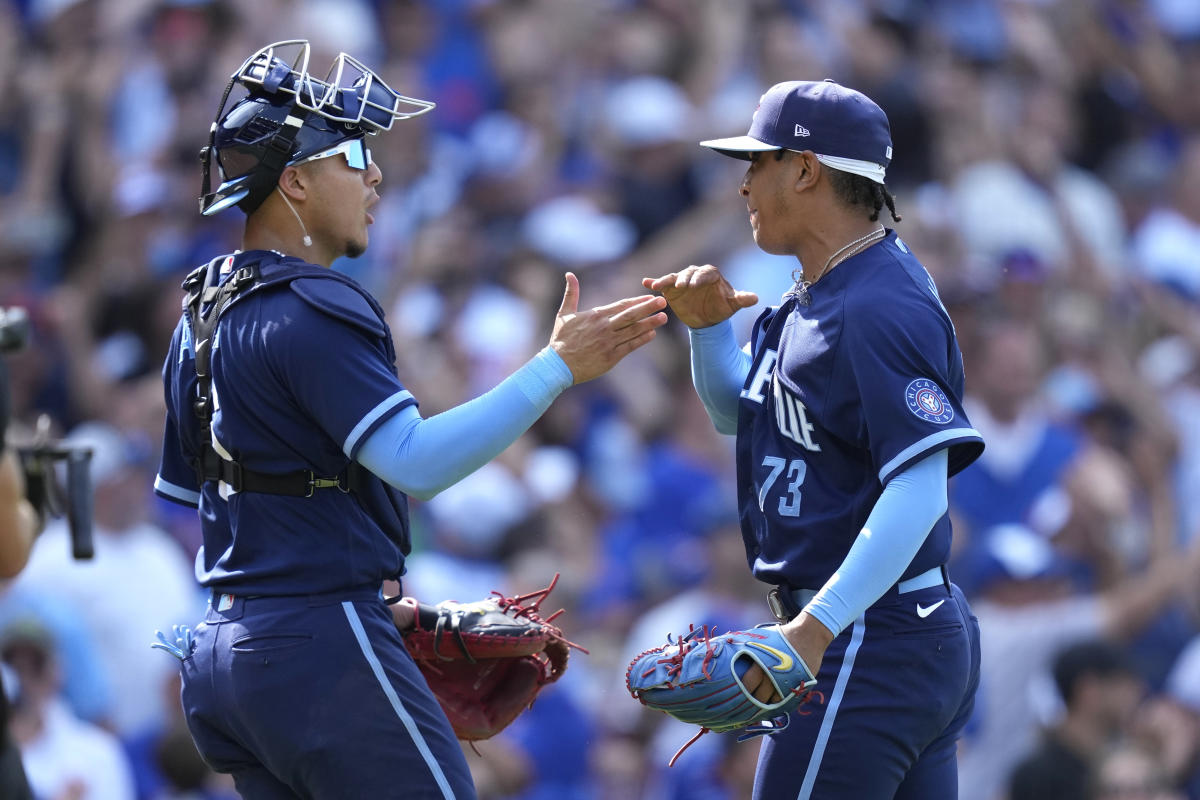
[[1047, 168]]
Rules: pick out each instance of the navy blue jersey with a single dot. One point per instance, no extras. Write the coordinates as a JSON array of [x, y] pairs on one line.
[[842, 395], [303, 372]]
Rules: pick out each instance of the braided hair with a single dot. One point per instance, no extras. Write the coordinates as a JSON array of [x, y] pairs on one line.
[[857, 190]]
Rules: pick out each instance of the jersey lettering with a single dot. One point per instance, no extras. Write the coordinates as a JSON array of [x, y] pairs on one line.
[[761, 378], [791, 417]]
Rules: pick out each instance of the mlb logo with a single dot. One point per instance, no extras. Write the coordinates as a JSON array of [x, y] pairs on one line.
[[225, 602], [227, 267]]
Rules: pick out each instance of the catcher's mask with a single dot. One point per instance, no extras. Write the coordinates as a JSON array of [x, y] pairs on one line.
[[287, 116]]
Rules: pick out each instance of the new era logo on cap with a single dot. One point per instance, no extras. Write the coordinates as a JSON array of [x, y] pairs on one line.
[[845, 129]]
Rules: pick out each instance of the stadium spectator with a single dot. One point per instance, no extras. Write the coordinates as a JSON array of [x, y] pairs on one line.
[[1099, 689]]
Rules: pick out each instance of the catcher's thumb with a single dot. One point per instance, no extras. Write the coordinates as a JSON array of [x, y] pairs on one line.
[[570, 301], [745, 299]]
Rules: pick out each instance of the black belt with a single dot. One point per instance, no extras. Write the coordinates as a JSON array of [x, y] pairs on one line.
[[222, 600], [786, 602]]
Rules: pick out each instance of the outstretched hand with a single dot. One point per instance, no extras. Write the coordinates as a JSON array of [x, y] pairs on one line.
[[591, 342], [700, 296]]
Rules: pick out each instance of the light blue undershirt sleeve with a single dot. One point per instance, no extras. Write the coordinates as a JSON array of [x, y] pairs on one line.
[[905, 512], [719, 370], [421, 457]]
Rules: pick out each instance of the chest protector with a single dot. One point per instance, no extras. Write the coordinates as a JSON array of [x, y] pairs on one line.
[[207, 298]]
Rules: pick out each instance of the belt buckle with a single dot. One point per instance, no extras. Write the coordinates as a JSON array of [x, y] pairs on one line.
[[777, 605]]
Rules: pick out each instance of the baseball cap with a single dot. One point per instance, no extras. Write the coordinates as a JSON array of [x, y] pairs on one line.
[[844, 128]]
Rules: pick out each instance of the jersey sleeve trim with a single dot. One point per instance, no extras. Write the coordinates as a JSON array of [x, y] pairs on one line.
[[374, 418], [178, 494], [923, 446]]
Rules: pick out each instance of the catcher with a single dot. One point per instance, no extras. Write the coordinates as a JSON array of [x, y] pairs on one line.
[[289, 431]]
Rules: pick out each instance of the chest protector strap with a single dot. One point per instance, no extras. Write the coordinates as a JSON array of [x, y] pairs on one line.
[[206, 300]]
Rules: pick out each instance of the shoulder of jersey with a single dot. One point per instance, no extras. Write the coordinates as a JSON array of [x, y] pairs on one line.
[[892, 269], [340, 301]]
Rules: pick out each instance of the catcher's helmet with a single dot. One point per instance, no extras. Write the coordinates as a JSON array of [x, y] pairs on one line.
[[287, 115]]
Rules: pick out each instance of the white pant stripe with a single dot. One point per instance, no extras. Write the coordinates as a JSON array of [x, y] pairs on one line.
[[835, 699], [409, 723]]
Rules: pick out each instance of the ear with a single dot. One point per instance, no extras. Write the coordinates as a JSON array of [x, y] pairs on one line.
[[806, 169], [294, 183]]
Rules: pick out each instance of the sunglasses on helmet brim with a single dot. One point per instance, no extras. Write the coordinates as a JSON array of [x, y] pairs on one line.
[[357, 154]]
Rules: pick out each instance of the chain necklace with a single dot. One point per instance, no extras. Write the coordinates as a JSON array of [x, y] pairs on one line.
[[800, 289]]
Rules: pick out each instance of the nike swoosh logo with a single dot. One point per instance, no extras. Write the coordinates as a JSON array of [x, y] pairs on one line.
[[925, 612], [785, 661]]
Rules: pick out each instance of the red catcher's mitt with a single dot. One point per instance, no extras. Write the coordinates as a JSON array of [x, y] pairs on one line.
[[487, 661]]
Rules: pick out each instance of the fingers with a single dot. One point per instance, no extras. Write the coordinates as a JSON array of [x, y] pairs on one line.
[[625, 303], [629, 345], [570, 301], [691, 277], [757, 683], [639, 310], [745, 299], [694, 277], [637, 333], [658, 284], [404, 613]]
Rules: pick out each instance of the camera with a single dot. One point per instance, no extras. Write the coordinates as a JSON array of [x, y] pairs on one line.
[[39, 458]]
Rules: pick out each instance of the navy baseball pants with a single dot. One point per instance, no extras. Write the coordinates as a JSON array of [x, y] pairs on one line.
[[317, 698], [899, 685]]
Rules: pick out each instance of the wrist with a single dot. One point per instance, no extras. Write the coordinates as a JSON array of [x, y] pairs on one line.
[[809, 637], [404, 613], [710, 329]]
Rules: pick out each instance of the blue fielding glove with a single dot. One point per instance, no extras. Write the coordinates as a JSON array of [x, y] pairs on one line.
[[182, 647], [698, 680]]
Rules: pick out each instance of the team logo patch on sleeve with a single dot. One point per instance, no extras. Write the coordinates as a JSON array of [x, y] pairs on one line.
[[927, 400]]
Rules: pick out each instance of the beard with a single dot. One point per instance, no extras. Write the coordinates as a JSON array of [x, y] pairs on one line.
[[355, 248]]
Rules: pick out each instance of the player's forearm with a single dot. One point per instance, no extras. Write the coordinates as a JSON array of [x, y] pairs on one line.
[[421, 457], [18, 528], [719, 370], [910, 505], [1130, 605]]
